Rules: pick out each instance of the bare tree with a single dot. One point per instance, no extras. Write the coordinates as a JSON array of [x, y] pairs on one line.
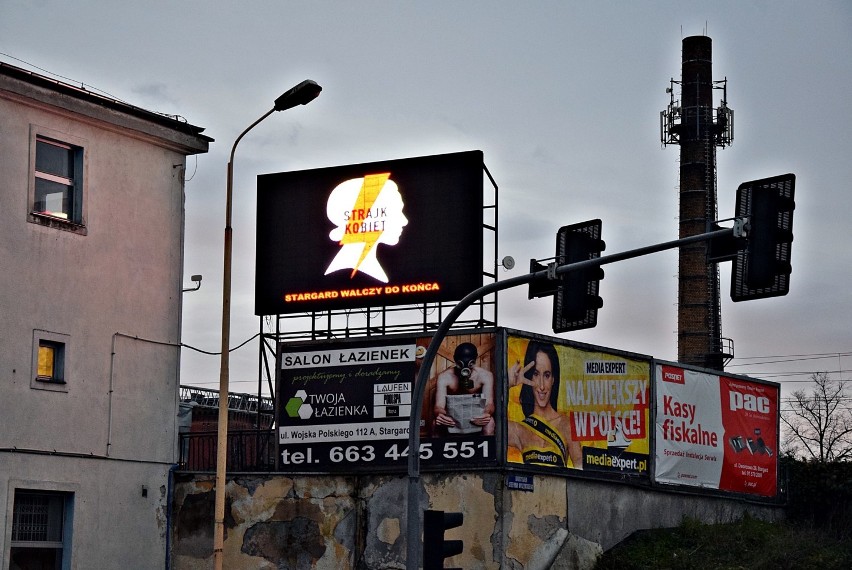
[[819, 421]]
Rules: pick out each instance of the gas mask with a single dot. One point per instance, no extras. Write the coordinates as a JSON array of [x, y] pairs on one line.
[[465, 357]]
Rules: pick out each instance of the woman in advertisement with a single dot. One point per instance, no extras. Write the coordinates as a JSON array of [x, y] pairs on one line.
[[543, 437]]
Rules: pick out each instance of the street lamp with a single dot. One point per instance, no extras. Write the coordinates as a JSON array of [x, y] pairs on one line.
[[301, 94]]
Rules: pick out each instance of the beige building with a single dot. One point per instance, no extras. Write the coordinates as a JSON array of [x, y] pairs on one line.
[[91, 266]]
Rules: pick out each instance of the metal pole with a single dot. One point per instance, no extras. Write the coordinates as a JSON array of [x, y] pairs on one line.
[[413, 546], [224, 368]]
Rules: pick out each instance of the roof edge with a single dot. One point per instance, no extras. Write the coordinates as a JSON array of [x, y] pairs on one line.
[[91, 98]]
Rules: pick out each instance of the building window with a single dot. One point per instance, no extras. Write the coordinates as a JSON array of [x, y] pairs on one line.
[[57, 180], [51, 361], [40, 529], [51, 351]]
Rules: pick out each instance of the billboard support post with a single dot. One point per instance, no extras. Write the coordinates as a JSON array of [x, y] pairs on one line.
[[413, 544]]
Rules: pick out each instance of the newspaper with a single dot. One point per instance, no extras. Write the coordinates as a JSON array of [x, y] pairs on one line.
[[463, 408]]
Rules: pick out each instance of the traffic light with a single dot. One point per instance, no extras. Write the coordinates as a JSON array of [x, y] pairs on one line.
[[763, 268], [540, 287], [576, 303], [435, 546]]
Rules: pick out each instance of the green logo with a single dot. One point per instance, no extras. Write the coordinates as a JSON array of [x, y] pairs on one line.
[[298, 406]]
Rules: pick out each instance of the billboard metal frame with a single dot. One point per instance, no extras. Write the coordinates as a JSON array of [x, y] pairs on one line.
[[421, 318]]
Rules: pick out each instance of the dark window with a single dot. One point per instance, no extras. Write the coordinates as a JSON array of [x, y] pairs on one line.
[[39, 521]]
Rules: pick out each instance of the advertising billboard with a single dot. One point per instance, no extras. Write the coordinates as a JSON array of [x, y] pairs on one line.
[[346, 406], [571, 408], [367, 235], [716, 432]]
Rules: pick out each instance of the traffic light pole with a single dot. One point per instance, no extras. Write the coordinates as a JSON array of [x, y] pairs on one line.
[[413, 545]]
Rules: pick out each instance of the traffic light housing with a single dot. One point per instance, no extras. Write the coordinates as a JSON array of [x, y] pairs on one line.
[[540, 287], [576, 303], [763, 268], [435, 546]]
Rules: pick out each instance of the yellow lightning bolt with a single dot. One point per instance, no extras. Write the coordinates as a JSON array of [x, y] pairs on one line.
[[370, 188]]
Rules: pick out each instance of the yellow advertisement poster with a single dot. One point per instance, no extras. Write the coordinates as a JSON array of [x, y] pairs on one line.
[[569, 408]]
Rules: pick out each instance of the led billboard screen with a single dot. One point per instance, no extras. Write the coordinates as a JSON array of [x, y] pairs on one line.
[[716, 432], [367, 235]]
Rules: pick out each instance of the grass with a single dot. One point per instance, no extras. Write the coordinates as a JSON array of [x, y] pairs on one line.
[[749, 544]]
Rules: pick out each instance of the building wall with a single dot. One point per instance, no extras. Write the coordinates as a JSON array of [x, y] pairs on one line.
[[348, 522], [107, 293], [120, 508]]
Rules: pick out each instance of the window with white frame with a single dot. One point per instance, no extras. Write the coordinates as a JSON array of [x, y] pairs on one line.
[[57, 180], [41, 522]]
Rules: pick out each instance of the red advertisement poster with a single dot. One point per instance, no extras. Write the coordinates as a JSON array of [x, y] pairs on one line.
[[750, 417], [716, 432]]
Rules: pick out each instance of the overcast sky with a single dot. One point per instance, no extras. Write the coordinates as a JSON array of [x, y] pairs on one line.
[[563, 98]]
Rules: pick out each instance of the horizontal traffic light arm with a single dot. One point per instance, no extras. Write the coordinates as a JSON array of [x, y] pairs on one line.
[[413, 508], [612, 258]]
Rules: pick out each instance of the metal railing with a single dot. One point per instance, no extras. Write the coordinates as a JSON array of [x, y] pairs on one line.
[[248, 451], [238, 402]]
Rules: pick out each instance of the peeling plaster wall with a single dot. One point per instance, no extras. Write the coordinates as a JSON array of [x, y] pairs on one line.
[[358, 522], [531, 518], [270, 523]]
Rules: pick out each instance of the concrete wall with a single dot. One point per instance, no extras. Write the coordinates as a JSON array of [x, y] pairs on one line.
[[111, 428], [114, 526], [342, 522], [607, 513]]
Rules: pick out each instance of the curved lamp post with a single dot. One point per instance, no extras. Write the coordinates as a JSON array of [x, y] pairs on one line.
[[301, 94]]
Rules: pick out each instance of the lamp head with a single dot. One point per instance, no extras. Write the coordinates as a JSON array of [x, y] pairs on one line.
[[301, 94]]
